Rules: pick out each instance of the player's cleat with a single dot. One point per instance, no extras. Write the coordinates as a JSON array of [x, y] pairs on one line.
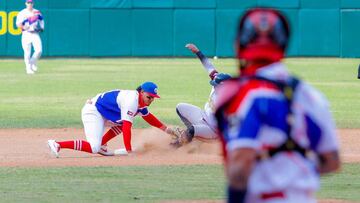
[[104, 151], [54, 147], [34, 68], [29, 71]]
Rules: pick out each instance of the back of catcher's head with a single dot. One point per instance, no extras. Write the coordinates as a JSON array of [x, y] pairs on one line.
[[263, 34]]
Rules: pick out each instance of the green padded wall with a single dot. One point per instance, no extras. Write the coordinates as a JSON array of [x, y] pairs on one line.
[[319, 32], [160, 27], [320, 4], [13, 46], [69, 39], [350, 34], [235, 4], [194, 4], [3, 28], [293, 18], [194, 26], [69, 4], [226, 23], [279, 3], [350, 4], [152, 32], [153, 4], [114, 40], [3, 43], [111, 4], [2, 5]]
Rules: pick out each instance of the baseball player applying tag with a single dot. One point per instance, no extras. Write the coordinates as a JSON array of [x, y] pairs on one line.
[[116, 109], [31, 22]]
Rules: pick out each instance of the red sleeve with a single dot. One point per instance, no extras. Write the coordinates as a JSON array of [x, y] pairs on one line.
[[126, 128], [152, 120]]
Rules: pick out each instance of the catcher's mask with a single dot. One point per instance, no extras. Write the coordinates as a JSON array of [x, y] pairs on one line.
[[263, 34]]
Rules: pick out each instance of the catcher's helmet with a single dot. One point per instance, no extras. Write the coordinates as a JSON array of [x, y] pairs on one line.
[[262, 35]]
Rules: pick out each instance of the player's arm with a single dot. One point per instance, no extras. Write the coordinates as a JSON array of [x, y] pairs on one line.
[[20, 21], [41, 21], [126, 128], [208, 66], [240, 163], [153, 121], [329, 162]]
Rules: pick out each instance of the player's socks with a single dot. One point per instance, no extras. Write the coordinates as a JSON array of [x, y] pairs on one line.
[[79, 145], [110, 134]]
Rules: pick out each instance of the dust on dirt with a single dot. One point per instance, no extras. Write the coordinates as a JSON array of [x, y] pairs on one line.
[[27, 148]]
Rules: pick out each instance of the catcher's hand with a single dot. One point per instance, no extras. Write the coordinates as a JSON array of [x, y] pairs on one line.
[[179, 136]]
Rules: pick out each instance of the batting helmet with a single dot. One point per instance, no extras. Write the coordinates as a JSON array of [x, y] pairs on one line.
[[263, 34]]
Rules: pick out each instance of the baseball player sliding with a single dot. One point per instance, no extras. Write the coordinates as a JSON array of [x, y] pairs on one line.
[[117, 109], [31, 22], [200, 123]]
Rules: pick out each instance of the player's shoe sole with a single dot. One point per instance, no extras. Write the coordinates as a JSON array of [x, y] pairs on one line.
[[105, 152], [54, 147]]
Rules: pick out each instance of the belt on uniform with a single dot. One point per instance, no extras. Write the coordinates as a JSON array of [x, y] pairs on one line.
[[272, 195]]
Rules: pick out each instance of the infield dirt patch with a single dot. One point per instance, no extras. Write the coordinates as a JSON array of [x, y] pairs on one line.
[[27, 148]]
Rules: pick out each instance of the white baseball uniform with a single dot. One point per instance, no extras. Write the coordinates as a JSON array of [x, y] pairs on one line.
[[109, 109], [32, 22], [253, 123], [203, 121]]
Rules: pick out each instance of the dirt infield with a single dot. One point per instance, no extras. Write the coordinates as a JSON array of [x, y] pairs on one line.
[[27, 148]]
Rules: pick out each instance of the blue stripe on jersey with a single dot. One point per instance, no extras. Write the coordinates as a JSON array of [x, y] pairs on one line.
[[144, 111], [108, 107], [313, 132], [268, 111]]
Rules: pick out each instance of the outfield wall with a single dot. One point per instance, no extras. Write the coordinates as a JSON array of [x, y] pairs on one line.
[[163, 27]]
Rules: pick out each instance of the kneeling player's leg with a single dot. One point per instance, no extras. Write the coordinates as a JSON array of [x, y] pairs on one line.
[[111, 133], [94, 125]]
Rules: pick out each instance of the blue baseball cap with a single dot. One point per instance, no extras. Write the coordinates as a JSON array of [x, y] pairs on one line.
[[150, 88]]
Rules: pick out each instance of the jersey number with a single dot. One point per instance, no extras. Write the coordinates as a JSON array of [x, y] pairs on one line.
[[7, 23]]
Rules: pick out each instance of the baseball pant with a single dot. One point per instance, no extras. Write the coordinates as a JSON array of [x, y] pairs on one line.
[[289, 196], [29, 39], [94, 126], [193, 115]]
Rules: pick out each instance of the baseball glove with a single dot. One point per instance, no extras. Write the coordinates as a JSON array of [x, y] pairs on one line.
[[180, 136]]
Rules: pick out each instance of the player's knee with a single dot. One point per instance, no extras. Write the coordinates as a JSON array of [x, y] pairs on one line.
[[38, 53], [179, 108]]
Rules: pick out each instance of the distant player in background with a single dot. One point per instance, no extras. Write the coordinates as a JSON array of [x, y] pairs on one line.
[[277, 132], [117, 109], [31, 22], [200, 123]]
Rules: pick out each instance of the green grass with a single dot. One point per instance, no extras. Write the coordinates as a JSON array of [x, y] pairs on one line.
[[111, 184], [54, 97], [343, 185], [141, 184]]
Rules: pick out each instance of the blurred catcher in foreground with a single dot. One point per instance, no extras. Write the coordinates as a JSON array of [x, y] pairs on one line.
[[277, 131]]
